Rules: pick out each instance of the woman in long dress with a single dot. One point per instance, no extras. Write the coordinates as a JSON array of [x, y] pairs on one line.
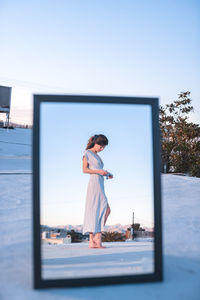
[[97, 208]]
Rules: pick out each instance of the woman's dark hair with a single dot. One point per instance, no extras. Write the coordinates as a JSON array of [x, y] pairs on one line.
[[99, 139]]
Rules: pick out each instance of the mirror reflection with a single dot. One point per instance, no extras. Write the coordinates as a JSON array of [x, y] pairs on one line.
[[96, 190]]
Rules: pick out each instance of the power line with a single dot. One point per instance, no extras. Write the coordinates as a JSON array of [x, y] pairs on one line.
[[15, 173], [144, 221], [32, 85], [15, 143]]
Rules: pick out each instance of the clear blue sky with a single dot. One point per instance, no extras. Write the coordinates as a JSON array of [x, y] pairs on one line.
[[136, 48], [65, 130]]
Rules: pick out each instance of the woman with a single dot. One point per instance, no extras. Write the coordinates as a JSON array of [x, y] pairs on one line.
[[97, 208]]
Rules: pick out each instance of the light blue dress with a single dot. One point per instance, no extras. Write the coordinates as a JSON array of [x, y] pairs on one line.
[[96, 200]]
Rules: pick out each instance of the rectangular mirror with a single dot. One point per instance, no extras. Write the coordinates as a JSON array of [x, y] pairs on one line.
[[92, 228]]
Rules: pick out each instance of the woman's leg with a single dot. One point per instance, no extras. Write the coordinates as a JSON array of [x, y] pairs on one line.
[[107, 214], [91, 241], [97, 237]]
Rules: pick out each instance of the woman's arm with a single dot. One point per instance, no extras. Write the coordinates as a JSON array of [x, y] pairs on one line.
[[90, 171]]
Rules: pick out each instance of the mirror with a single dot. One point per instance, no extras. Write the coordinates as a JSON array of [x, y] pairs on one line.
[[78, 240]]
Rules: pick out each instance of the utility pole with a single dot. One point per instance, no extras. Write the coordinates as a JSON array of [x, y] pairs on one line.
[[7, 119], [132, 228]]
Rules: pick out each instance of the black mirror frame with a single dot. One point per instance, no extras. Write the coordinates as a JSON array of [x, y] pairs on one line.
[[38, 282]]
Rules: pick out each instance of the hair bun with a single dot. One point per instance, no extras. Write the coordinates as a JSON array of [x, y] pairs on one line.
[[95, 137]]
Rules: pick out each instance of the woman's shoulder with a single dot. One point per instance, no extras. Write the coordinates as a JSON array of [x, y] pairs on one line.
[[86, 152]]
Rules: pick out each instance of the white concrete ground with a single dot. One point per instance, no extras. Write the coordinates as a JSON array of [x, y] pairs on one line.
[[76, 260]]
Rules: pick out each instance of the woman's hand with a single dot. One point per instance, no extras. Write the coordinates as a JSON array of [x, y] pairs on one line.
[[102, 172]]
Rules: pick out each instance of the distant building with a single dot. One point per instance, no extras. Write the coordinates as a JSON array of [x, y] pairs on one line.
[[55, 239], [63, 234], [67, 240], [54, 234], [143, 233], [45, 235]]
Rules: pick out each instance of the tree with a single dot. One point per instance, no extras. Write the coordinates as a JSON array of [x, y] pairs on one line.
[[180, 144], [113, 236], [74, 236], [136, 226]]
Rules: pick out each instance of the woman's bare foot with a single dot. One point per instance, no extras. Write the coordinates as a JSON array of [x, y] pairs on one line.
[[97, 241], [92, 245], [92, 242]]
